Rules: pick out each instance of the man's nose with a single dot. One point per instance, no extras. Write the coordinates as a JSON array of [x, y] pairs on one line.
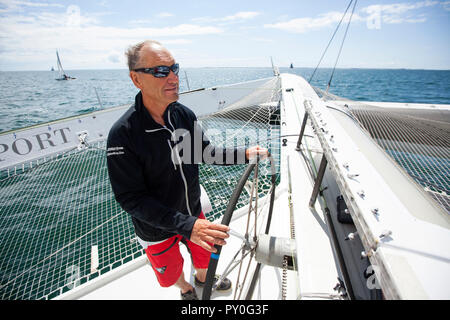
[[172, 77]]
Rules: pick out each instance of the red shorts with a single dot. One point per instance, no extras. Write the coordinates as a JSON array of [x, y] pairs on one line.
[[167, 262]]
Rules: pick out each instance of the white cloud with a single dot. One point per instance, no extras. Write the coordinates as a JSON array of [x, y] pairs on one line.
[[261, 39], [175, 41], [140, 21], [17, 5], [243, 15], [164, 15], [81, 39], [240, 16], [390, 14], [161, 15], [396, 13], [302, 25], [398, 8], [446, 5]]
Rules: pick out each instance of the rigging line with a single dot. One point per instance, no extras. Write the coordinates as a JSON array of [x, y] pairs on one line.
[[98, 98], [323, 54], [342, 44]]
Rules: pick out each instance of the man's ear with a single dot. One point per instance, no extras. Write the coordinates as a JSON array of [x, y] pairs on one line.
[[136, 80]]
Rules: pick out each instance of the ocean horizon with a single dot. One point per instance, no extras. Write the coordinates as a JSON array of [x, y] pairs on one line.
[[32, 97], [234, 67]]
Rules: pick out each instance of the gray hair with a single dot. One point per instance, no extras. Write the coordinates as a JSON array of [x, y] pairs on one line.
[[134, 52]]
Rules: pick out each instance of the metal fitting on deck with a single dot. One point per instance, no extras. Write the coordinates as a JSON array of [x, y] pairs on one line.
[[385, 233], [273, 250], [351, 236], [361, 193]]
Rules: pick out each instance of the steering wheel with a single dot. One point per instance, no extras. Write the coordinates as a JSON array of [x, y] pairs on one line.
[[213, 262]]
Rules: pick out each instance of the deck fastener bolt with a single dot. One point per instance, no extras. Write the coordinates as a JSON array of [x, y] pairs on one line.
[[385, 233]]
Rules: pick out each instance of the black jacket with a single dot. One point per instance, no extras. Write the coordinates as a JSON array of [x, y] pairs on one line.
[[147, 180]]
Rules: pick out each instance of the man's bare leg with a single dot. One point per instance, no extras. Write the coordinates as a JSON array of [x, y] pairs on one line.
[[186, 286], [201, 274], [183, 284]]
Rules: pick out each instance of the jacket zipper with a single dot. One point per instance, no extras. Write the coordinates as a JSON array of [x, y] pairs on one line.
[[178, 158]]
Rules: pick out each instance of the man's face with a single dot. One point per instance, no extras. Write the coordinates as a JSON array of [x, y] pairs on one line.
[[157, 90]]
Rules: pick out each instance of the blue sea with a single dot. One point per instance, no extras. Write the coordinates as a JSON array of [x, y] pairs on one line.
[[31, 97]]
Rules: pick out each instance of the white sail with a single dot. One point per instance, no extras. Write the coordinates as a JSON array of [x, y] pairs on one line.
[[60, 68], [62, 73]]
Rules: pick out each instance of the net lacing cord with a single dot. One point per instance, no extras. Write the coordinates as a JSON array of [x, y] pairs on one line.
[[245, 125], [405, 138], [271, 86], [58, 157], [402, 136], [402, 140], [409, 160], [241, 115], [60, 249], [235, 114]]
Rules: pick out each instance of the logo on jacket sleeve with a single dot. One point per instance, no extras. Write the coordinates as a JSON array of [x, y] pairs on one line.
[[113, 151]]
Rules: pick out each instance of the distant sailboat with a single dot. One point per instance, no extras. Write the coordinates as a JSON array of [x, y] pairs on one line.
[[292, 66], [52, 69], [62, 73]]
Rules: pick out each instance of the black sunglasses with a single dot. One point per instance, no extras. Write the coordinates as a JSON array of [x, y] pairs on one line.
[[160, 71]]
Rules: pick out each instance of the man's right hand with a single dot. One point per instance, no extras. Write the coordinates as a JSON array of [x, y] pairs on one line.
[[254, 151], [204, 233]]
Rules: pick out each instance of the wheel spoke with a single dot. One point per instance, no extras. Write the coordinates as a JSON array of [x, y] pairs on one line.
[[248, 246]]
